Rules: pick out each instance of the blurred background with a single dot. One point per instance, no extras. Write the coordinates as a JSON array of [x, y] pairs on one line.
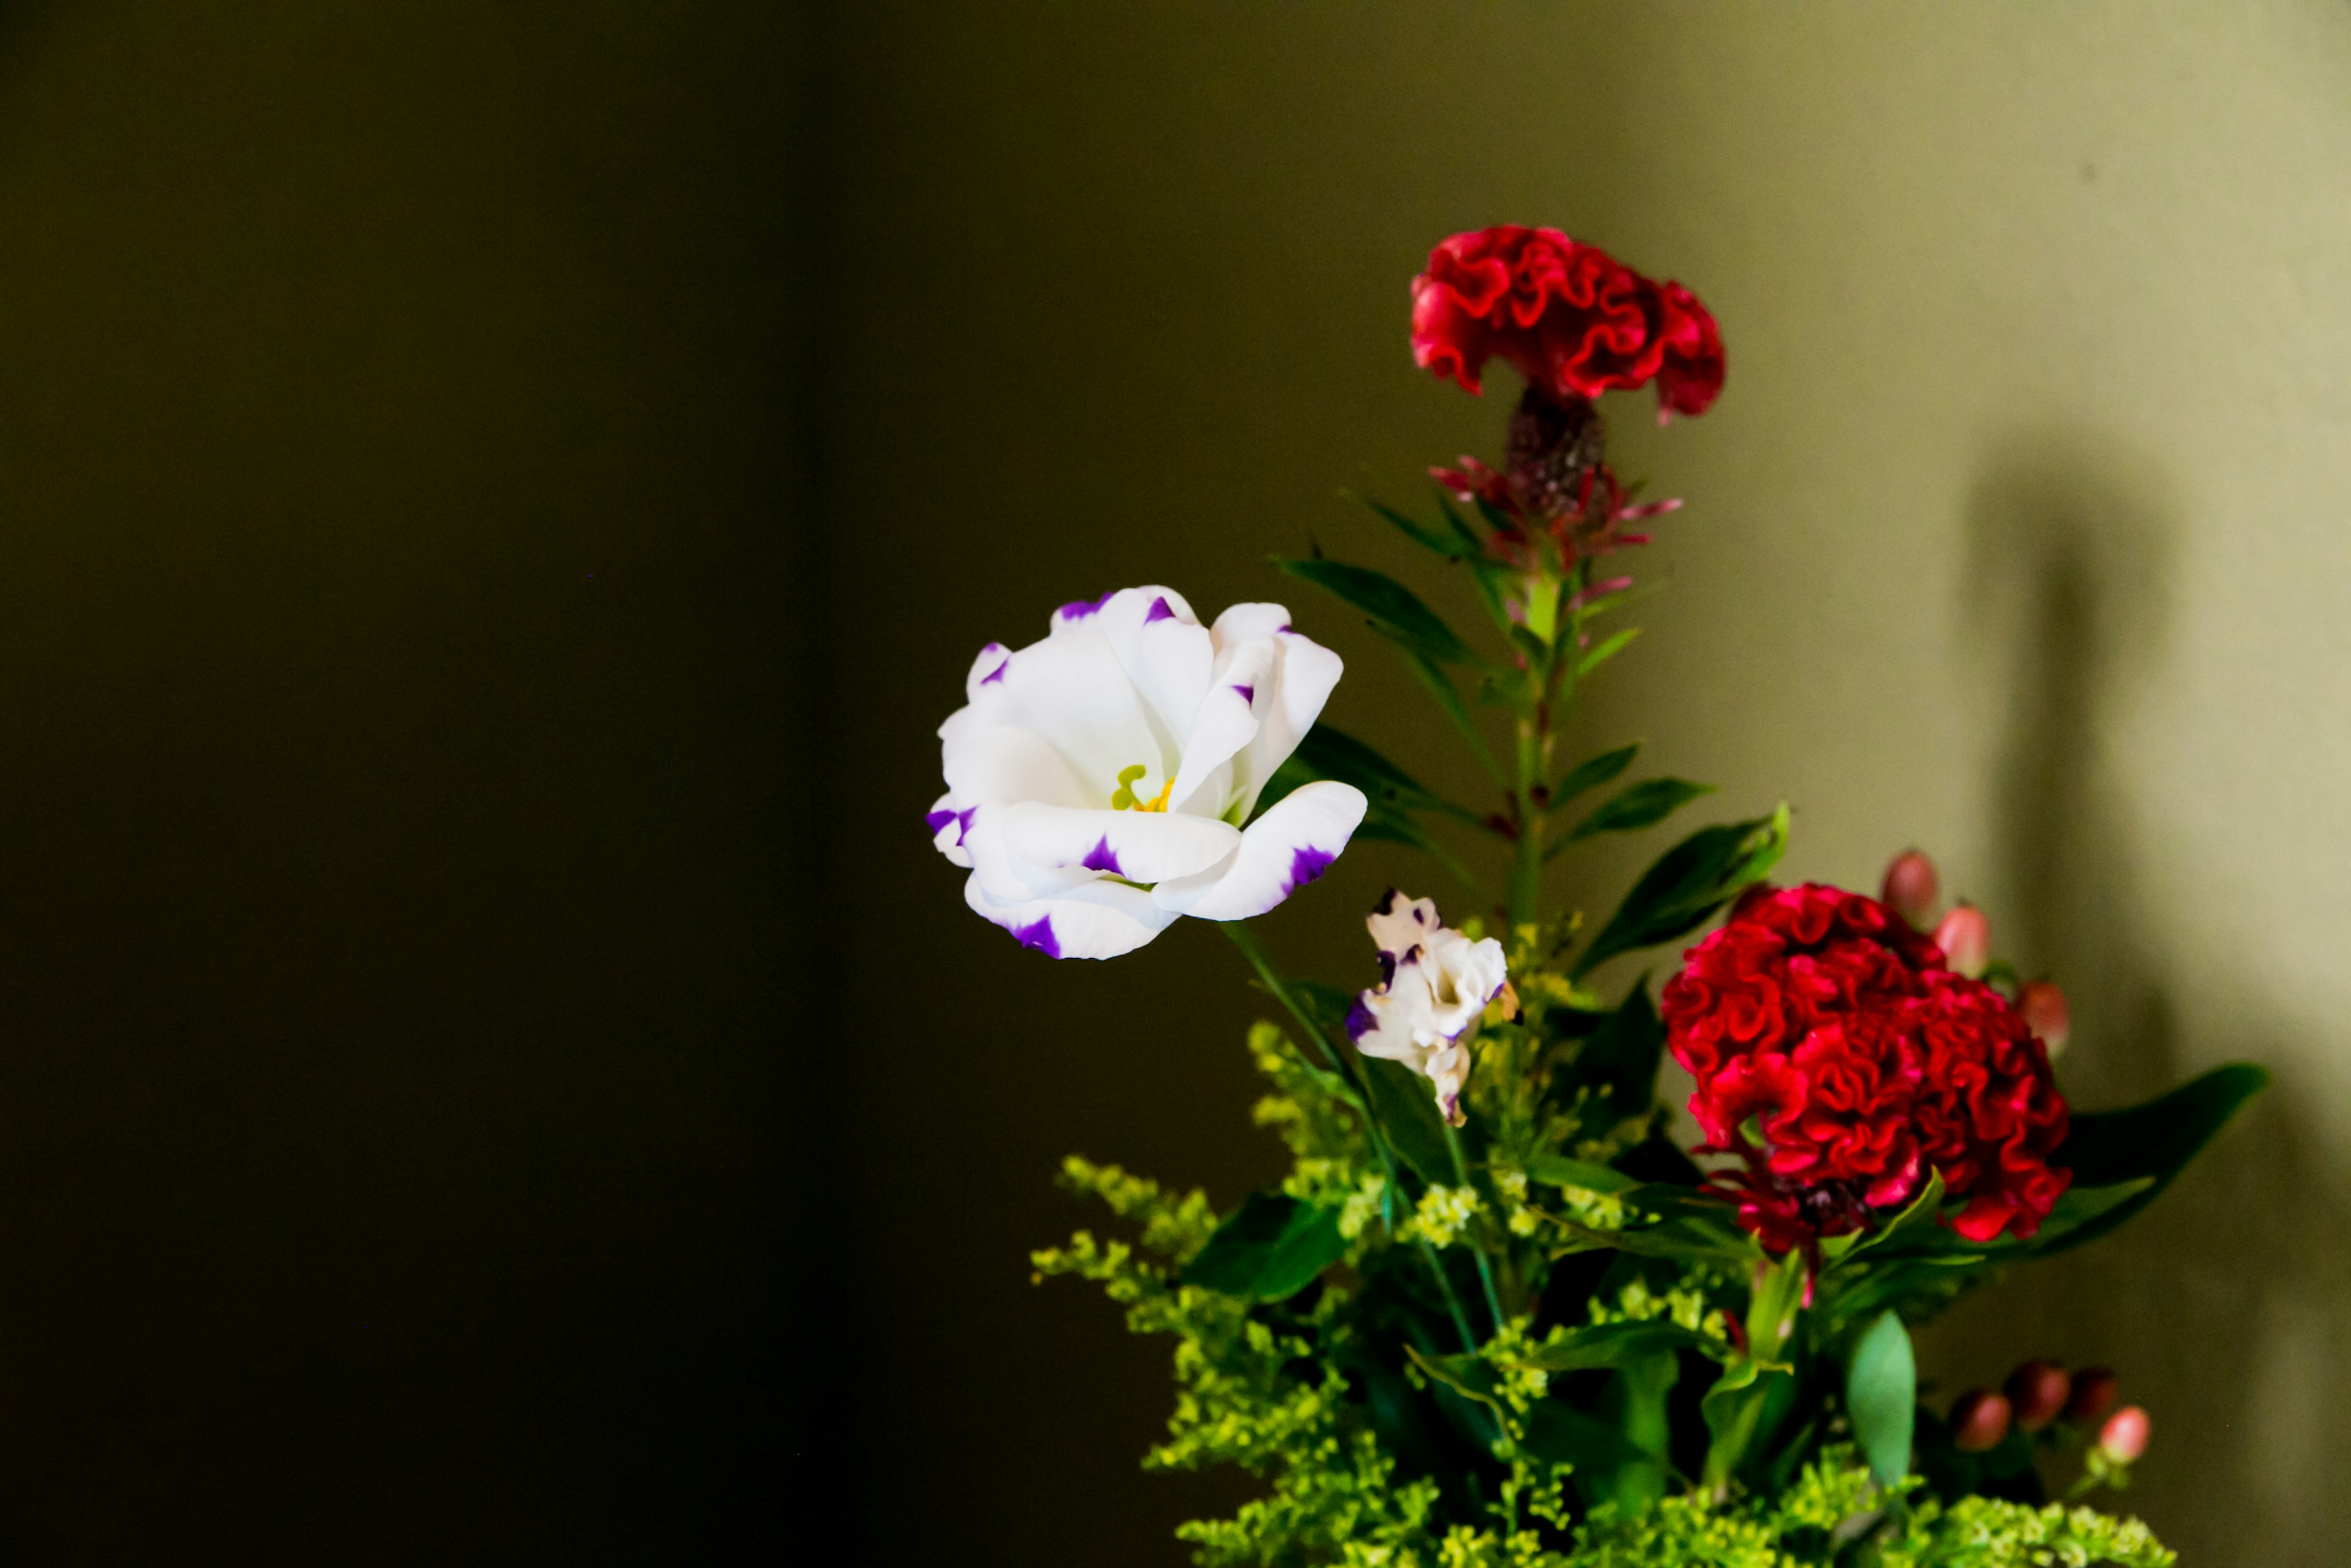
[[495, 500]]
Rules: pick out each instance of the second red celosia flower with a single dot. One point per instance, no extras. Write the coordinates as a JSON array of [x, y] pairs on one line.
[[1864, 1062], [1570, 318]]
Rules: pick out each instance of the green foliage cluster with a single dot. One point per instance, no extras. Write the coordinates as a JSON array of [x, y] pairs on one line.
[[1534, 1340]]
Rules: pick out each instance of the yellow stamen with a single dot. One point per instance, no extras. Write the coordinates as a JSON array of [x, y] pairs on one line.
[[1124, 799]]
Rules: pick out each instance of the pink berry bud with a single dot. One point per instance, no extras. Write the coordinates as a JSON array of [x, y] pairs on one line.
[[1910, 888], [1979, 1421], [2094, 1394], [2124, 1438], [1965, 937], [2037, 1392], [2045, 1014]]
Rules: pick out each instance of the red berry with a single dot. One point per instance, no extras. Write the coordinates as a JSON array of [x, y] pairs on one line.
[[1979, 1421], [1965, 937], [2037, 1392], [2123, 1437], [1910, 888], [2094, 1392], [2045, 1014]]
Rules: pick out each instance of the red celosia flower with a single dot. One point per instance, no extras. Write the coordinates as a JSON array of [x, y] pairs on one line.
[[1865, 1062], [1569, 318]]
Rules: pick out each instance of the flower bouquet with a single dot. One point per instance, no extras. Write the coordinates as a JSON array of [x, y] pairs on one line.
[[1499, 1313]]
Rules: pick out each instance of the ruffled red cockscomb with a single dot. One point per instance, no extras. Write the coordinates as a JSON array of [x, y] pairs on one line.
[[1865, 1062], [1570, 318]]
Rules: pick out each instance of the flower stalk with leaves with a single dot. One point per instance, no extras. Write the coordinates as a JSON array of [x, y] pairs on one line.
[[1496, 1316]]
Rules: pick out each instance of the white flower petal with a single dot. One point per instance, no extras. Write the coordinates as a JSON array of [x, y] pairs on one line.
[[1400, 924], [1227, 722], [1164, 650], [1071, 690], [1289, 846], [1305, 671], [1097, 919], [1140, 846], [1008, 764]]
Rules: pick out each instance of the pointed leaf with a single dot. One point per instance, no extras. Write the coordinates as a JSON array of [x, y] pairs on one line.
[[1405, 1105], [2155, 1140], [1881, 1396], [1269, 1249], [1593, 772], [1640, 806], [1393, 609], [1563, 1435], [1687, 885], [1332, 754], [1616, 1344], [1427, 539], [1606, 651], [1558, 1170]]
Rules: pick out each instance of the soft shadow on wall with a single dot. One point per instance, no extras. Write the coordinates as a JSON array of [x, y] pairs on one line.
[[2216, 1307]]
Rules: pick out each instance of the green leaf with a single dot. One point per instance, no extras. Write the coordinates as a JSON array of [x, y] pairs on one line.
[[1469, 536], [1563, 1435], [1606, 651], [1687, 885], [1733, 1409], [1268, 1249], [1640, 806], [2154, 1141], [1558, 1170], [1393, 609], [1881, 1396], [1470, 1377], [1427, 539], [1593, 772], [1616, 1344], [1406, 1107], [1690, 1240], [1621, 1058], [1332, 754], [1920, 1210]]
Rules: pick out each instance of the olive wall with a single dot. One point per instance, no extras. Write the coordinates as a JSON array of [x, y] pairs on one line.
[[2016, 534]]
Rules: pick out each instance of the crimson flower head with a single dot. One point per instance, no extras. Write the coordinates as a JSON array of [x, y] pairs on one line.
[[1823, 1020], [1570, 318]]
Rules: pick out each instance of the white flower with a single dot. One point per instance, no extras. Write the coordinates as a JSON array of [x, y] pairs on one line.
[[1434, 984], [1098, 780]]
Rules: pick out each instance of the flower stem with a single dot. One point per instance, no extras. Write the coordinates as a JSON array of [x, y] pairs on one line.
[[1246, 940], [1485, 1268]]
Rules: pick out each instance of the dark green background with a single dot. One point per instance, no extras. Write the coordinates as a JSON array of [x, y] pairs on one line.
[[397, 636]]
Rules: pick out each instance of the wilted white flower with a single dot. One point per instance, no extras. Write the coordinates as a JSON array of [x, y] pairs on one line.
[[1099, 782], [1433, 983]]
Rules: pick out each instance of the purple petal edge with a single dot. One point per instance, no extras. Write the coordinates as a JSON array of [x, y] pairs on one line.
[[1038, 936], [1078, 608], [1306, 864], [935, 821], [1101, 857], [1360, 1021], [1159, 611], [1249, 693]]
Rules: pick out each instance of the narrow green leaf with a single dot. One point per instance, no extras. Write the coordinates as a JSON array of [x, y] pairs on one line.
[[1690, 1240], [2156, 1141], [1558, 1170], [1616, 1344], [1333, 754], [1640, 806], [1733, 1409], [1406, 1107], [1427, 539], [1920, 1211], [1606, 651], [1687, 885], [1468, 1375], [1469, 536], [1593, 772], [1881, 1396], [1393, 609], [1441, 687], [1268, 1249]]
